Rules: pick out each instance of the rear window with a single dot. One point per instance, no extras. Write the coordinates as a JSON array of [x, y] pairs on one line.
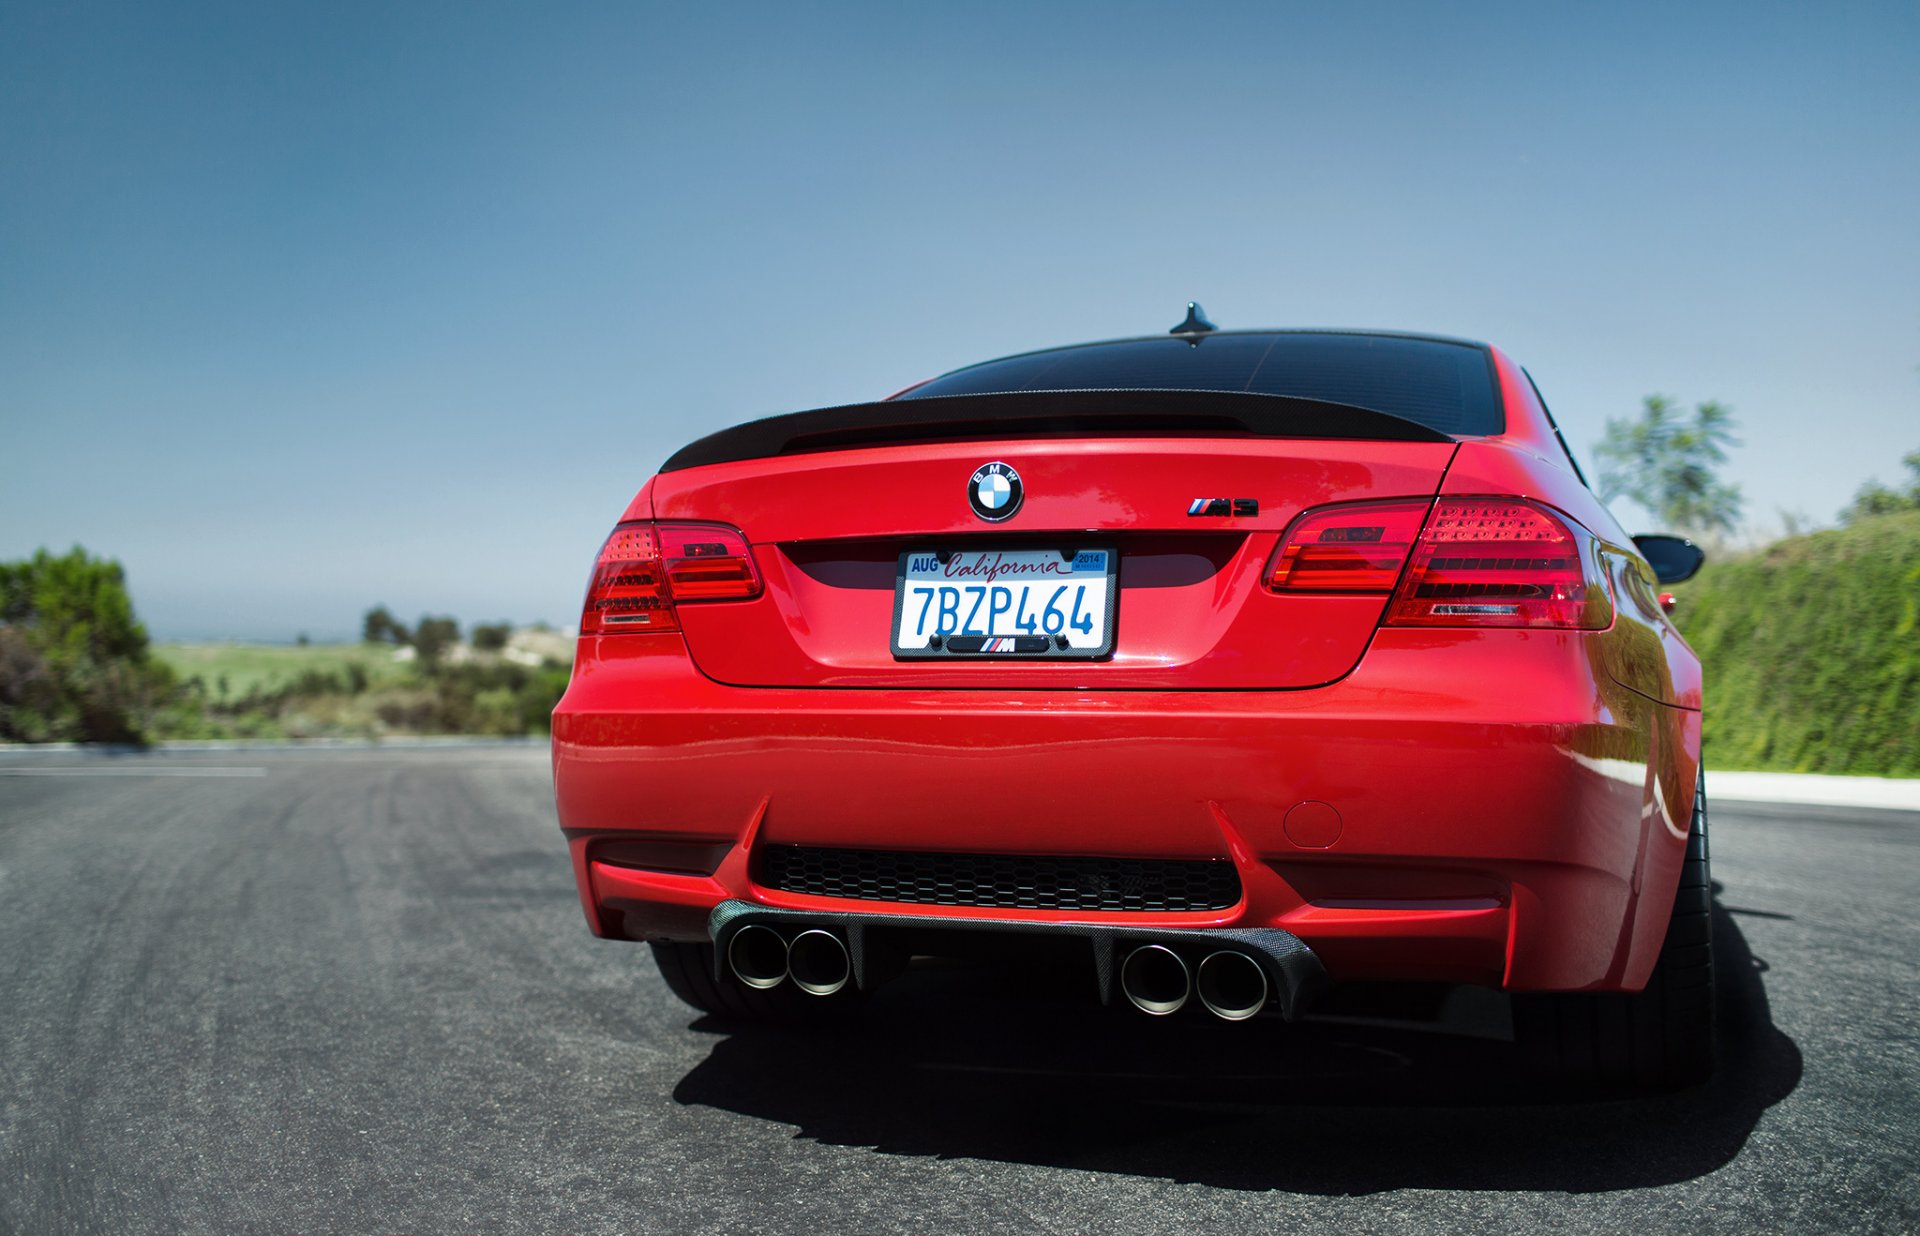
[[1444, 386]]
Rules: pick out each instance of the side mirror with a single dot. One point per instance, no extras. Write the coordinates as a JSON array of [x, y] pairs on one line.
[[1673, 558]]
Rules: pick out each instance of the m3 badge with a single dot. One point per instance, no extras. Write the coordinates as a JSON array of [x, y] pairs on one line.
[[1239, 508]]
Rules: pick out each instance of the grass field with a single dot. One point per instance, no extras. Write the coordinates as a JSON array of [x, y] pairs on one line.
[[249, 669], [270, 691]]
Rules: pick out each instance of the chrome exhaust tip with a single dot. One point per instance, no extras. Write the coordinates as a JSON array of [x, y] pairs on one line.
[[758, 957], [1232, 985], [818, 963], [1155, 980]]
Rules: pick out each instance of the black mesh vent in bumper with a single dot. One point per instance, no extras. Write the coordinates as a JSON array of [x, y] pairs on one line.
[[1007, 881]]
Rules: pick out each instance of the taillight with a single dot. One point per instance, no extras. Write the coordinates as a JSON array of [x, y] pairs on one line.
[[1501, 562], [1355, 548], [645, 569], [628, 591], [707, 563]]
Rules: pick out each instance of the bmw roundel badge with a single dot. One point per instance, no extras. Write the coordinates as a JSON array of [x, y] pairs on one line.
[[995, 492]]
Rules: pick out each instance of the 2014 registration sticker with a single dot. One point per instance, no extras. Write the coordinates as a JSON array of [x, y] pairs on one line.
[[1004, 602]]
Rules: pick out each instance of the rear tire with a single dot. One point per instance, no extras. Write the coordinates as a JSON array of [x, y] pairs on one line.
[[688, 971], [1659, 1038]]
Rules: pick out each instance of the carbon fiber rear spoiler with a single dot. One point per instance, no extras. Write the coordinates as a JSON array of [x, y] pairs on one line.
[[1104, 413]]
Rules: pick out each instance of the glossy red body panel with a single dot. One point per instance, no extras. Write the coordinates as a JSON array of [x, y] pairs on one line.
[[1505, 807]]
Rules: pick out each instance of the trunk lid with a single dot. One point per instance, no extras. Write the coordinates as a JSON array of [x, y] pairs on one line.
[[1191, 611]]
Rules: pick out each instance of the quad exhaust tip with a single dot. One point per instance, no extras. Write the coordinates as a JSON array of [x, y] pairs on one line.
[[1155, 980], [1231, 985], [758, 957], [818, 963]]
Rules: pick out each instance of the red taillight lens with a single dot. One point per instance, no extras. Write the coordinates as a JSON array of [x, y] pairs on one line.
[[644, 569], [706, 562], [628, 591], [1502, 562], [1358, 548]]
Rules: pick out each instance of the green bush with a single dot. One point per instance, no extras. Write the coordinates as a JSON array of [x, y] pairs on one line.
[[1812, 651], [74, 663], [491, 636], [498, 698], [433, 636]]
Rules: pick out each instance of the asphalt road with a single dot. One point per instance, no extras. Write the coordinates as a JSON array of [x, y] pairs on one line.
[[351, 991]]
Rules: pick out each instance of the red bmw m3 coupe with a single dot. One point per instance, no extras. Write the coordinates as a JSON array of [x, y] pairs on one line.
[[1236, 663]]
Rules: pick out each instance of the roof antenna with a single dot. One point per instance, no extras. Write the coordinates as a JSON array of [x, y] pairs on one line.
[[1195, 326]]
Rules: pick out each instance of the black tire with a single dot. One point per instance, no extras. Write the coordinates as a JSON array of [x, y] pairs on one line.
[[688, 971], [1659, 1038]]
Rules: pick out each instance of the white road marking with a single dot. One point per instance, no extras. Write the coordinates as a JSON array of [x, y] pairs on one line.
[[68, 771], [1813, 789]]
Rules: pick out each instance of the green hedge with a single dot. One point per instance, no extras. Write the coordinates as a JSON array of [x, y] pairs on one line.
[[1812, 651]]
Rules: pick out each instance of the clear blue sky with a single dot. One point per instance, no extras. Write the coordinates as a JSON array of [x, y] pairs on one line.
[[304, 308]]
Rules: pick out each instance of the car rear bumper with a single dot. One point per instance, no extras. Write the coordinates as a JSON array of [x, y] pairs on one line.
[[1485, 807]]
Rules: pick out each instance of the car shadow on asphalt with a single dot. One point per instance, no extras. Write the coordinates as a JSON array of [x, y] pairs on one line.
[[974, 1064]]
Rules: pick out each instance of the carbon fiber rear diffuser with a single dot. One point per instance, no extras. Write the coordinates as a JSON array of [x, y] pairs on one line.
[[1294, 973]]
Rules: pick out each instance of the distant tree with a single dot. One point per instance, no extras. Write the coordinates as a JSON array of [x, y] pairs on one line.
[[74, 663], [1666, 460], [433, 636], [491, 636], [302, 640], [1795, 522], [1874, 498], [380, 627]]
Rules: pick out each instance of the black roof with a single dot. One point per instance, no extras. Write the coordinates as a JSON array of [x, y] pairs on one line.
[[1359, 385], [1350, 331]]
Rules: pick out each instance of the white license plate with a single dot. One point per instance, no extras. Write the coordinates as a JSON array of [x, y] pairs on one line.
[[1004, 603]]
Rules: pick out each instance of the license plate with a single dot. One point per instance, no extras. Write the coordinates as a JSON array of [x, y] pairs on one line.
[[1004, 603]]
